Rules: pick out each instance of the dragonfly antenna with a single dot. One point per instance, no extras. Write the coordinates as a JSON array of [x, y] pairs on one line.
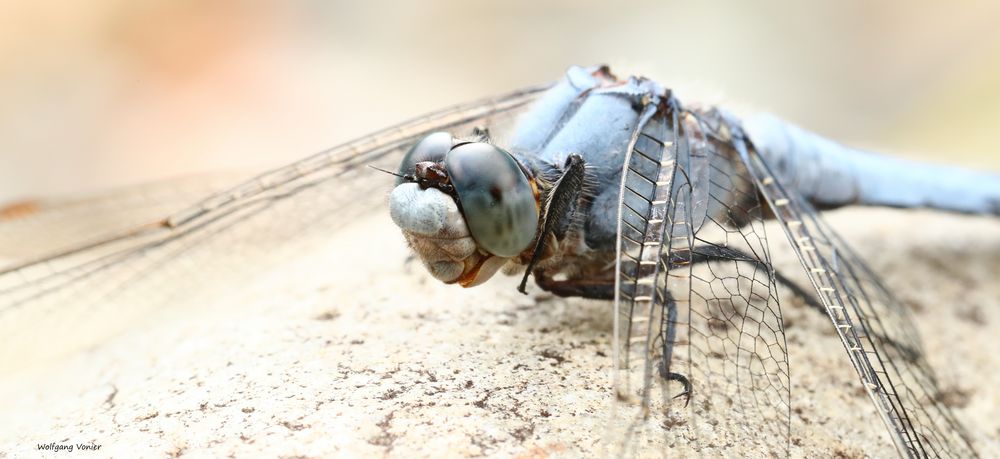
[[406, 177]]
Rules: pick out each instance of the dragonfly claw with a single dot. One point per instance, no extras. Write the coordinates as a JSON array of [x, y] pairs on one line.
[[670, 376]]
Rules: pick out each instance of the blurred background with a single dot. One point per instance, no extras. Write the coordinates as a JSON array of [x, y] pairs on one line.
[[106, 93]]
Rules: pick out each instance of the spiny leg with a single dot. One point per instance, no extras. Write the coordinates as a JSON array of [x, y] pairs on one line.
[[564, 192], [604, 289], [599, 289], [670, 322], [709, 253]]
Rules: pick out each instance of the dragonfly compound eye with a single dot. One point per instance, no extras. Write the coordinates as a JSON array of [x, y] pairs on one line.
[[433, 147], [496, 198]]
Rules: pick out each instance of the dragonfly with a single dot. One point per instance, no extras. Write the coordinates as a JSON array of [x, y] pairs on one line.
[[619, 192]]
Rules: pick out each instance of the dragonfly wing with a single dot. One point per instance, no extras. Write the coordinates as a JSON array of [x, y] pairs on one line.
[[696, 298], [875, 328], [242, 231], [33, 228]]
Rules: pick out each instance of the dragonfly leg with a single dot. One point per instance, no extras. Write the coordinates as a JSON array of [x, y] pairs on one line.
[[681, 379], [604, 289], [565, 191], [704, 254], [601, 289], [668, 349], [709, 253]]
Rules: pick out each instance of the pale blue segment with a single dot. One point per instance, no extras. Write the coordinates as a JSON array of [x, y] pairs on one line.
[[831, 174], [536, 127]]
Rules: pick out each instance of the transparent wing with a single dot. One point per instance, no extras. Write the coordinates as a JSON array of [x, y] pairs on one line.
[[875, 328], [244, 230], [696, 298], [63, 223]]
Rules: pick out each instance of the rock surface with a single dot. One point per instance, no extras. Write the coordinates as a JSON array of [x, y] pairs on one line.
[[370, 357]]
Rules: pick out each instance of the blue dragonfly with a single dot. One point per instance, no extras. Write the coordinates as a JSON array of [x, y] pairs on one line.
[[598, 187]]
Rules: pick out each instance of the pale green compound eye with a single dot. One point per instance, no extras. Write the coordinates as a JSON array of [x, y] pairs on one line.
[[495, 196]]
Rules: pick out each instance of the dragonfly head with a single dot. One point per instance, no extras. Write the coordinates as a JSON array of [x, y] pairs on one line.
[[466, 208]]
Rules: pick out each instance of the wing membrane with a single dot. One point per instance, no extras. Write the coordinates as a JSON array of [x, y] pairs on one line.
[[244, 230], [64, 223], [875, 328], [697, 296]]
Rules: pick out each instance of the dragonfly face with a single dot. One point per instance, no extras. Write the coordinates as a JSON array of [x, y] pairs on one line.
[[466, 208]]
